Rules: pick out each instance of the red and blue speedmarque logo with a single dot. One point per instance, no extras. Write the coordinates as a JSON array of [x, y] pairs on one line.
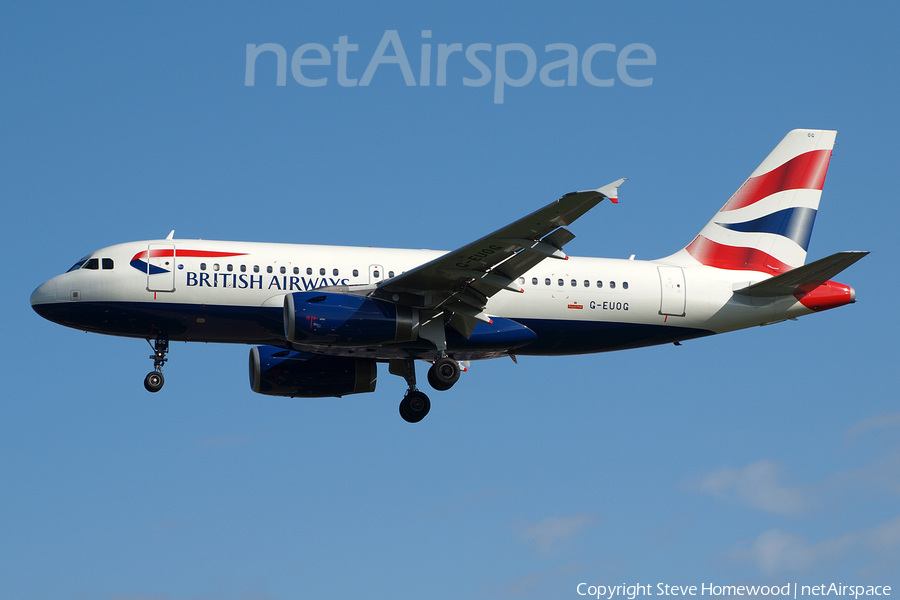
[[144, 262], [139, 261]]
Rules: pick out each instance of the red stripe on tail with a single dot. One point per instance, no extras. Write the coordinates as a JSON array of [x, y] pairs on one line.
[[806, 171], [735, 258]]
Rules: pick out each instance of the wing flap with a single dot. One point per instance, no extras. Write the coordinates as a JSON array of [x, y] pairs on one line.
[[491, 280]]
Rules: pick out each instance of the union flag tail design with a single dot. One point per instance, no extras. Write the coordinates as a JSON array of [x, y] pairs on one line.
[[767, 223]]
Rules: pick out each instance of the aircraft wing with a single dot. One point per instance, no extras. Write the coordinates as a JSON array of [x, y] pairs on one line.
[[461, 281]]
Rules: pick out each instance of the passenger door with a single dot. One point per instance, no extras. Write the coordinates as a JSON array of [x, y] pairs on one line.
[[161, 268]]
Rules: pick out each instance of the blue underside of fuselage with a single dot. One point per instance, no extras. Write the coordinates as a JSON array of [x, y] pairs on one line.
[[264, 326]]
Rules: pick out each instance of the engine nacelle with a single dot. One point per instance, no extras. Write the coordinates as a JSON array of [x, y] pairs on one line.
[[346, 320], [278, 372]]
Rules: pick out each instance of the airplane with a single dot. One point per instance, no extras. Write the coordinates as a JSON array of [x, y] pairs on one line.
[[321, 318]]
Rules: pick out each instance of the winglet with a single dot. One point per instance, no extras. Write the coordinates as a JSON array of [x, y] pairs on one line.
[[611, 190]]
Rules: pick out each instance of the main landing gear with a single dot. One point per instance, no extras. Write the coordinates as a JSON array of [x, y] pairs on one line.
[[444, 372], [154, 379], [414, 406]]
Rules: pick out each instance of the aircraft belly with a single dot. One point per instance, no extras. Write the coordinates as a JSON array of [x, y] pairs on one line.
[[560, 337], [180, 322]]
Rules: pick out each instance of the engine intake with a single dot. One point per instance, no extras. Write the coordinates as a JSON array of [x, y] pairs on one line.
[[278, 372], [346, 320]]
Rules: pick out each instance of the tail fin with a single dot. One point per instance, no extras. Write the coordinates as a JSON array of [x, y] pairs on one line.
[[767, 223]]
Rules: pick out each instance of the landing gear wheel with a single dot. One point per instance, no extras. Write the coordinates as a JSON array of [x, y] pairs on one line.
[[414, 406], [443, 374], [154, 381]]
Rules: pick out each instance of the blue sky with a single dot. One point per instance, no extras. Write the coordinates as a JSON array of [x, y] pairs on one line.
[[764, 456]]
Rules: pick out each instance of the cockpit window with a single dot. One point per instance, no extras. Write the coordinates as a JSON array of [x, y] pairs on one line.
[[92, 263], [79, 264]]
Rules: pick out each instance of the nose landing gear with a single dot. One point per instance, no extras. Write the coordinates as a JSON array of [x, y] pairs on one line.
[[154, 380]]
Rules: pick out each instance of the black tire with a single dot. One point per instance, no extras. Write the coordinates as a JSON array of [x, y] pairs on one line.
[[443, 374], [154, 381], [435, 383], [414, 407]]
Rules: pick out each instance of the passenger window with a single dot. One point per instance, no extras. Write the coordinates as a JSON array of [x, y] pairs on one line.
[[356, 272], [309, 270], [243, 268], [215, 266], [229, 268], [547, 281], [534, 281], [560, 282], [612, 285], [296, 270], [283, 270], [587, 283], [256, 268], [599, 284], [202, 266], [107, 263], [390, 273], [624, 285], [322, 271], [335, 272], [92, 264], [574, 283], [269, 269], [376, 274]]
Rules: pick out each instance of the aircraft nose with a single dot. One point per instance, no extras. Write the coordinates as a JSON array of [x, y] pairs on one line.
[[44, 294]]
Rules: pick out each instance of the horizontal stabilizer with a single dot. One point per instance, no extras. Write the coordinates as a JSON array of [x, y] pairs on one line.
[[802, 278]]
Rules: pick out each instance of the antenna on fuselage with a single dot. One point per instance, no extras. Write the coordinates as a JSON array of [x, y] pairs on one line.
[[171, 235]]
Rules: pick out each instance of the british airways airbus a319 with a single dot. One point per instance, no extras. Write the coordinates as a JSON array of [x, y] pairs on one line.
[[321, 318]]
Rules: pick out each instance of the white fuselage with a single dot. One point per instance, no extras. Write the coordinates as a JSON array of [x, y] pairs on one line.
[[214, 289]]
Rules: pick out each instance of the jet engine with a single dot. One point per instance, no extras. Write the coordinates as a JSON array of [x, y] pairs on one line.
[[278, 372], [346, 320]]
